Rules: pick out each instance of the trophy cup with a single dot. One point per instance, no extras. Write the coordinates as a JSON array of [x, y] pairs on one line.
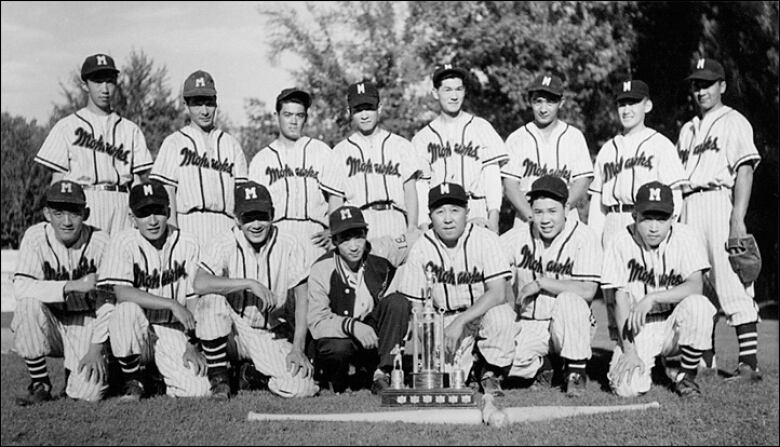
[[435, 383]]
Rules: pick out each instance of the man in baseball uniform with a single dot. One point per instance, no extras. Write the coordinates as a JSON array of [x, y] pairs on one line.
[[200, 165], [291, 168], [719, 156], [374, 169], [350, 318], [98, 149], [556, 261], [151, 268], [244, 279], [462, 148], [653, 271], [546, 146], [637, 155], [470, 276], [58, 312]]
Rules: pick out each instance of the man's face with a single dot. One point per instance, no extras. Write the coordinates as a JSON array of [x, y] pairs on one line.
[[202, 111], [256, 226], [545, 106], [449, 221], [152, 221], [653, 227], [292, 118], [351, 244], [450, 95], [100, 88], [632, 112], [549, 217], [66, 220], [707, 94], [365, 117]]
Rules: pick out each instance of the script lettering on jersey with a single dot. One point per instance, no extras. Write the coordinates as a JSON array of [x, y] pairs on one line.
[[84, 268], [275, 174], [638, 272], [438, 151], [155, 279], [191, 158], [533, 169], [710, 144], [85, 139], [449, 276], [612, 169], [535, 265], [357, 166]]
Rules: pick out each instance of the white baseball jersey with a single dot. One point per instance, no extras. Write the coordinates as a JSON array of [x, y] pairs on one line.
[[93, 150], [458, 152], [204, 169], [575, 254], [625, 163]]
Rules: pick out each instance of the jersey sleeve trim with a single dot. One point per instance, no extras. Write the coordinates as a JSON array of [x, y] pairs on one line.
[[206, 268], [115, 281], [497, 159], [748, 158], [143, 167], [512, 176], [50, 164], [161, 178], [583, 175], [331, 190], [504, 273]]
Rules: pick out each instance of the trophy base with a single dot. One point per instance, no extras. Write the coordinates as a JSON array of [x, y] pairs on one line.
[[436, 397]]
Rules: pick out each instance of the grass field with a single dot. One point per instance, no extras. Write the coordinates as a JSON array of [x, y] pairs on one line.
[[726, 414]]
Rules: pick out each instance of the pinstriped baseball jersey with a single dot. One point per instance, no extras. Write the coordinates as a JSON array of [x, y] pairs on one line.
[[712, 148], [204, 169], [371, 169], [166, 273], [279, 265], [629, 265], [457, 152], [461, 273], [91, 149], [575, 254], [625, 163], [564, 154], [292, 177]]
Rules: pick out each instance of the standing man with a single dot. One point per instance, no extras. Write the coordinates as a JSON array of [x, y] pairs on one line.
[[374, 169], [653, 271], [470, 279], [719, 156], [151, 268], [58, 311], [546, 146], [250, 271], [290, 167], [557, 266], [200, 165], [98, 149], [462, 148]]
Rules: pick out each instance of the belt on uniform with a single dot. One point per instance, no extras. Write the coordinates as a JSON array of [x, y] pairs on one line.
[[701, 189], [378, 206], [622, 208], [107, 187]]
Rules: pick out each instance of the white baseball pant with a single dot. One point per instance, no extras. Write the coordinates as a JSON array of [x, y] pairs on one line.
[[495, 335], [108, 210]]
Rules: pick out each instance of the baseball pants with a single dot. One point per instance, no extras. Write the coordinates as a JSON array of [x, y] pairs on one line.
[[205, 225], [132, 334], [690, 324], [39, 332], [494, 335], [615, 222], [390, 222], [108, 210], [709, 212], [216, 318], [302, 230], [568, 333]]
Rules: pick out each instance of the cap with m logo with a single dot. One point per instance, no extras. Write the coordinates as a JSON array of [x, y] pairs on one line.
[[252, 197], [449, 70], [148, 193], [65, 192], [363, 93], [633, 89], [98, 64], [707, 69], [654, 197], [346, 218], [548, 83], [199, 83], [445, 193]]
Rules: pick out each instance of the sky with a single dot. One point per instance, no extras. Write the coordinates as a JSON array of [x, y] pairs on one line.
[[44, 42]]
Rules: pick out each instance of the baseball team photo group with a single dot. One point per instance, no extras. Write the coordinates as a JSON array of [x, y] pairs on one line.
[[410, 244]]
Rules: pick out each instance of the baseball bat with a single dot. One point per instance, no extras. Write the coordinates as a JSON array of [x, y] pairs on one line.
[[531, 414]]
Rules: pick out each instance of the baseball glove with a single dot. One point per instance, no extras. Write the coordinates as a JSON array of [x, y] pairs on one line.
[[744, 257]]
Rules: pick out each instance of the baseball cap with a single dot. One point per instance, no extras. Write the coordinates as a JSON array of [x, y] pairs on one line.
[[97, 63], [447, 193], [448, 70], [549, 185], [65, 192], [148, 193], [549, 83], [654, 196], [363, 92], [346, 218], [707, 70], [633, 90], [252, 197], [293, 93], [199, 83]]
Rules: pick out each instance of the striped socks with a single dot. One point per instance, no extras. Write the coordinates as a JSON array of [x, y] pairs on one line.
[[216, 356], [577, 366], [747, 335], [37, 369], [131, 366], [690, 360]]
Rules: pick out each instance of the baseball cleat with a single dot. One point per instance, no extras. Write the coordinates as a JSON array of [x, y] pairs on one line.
[[491, 384], [37, 392], [381, 381], [133, 391], [745, 372], [687, 388], [220, 391], [576, 384]]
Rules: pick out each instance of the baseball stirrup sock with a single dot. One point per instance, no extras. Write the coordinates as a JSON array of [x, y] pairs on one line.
[[131, 366], [216, 356], [37, 369], [747, 334], [690, 360], [577, 366]]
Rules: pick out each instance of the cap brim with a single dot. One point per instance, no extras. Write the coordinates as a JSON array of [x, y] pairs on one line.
[[200, 92], [704, 75], [148, 202], [94, 73], [661, 208], [549, 90], [459, 72], [448, 201], [637, 96], [300, 94], [256, 208], [67, 203], [349, 226], [531, 195], [363, 100]]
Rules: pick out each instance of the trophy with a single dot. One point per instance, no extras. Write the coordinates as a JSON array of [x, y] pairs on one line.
[[435, 383]]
